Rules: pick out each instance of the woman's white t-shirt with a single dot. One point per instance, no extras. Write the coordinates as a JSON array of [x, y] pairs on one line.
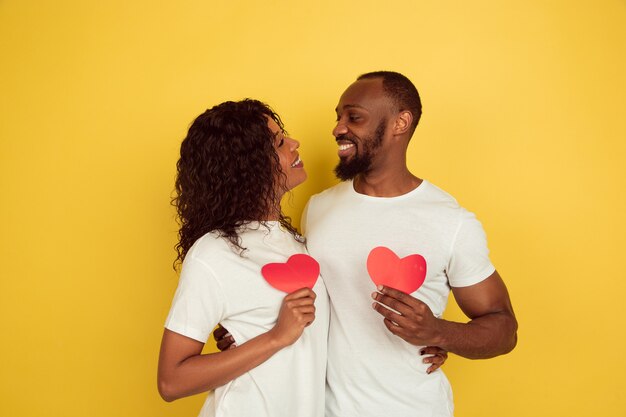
[[217, 285]]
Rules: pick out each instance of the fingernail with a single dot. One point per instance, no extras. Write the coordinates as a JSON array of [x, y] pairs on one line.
[[374, 295], [379, 287], [227, 335]]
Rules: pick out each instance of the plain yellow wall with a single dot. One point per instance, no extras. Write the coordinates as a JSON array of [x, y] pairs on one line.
[[524, 107]]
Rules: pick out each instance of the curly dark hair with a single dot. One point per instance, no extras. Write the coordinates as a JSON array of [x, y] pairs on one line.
[[228, 174]]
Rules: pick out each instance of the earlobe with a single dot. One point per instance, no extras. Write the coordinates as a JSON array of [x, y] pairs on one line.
[[403, 122]]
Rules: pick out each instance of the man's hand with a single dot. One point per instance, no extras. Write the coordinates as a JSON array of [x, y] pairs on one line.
[[491, 331], [223, 339], [412, 320]]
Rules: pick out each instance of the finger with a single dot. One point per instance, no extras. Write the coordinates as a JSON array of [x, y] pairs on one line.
[[302, 292], [305, 309], [433, 350], [392, 303], [225, 343], [398, 295], [437, 361], [308, 319], [434, 359], [432, 368], [220, 332], [299, 302], [393, 327], [389, 314]]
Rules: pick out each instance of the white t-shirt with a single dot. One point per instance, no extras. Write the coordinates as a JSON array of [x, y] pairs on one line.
[[218, 286], [372, 372]]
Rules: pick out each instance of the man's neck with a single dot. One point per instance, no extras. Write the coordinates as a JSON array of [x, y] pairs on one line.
[[386, 183]]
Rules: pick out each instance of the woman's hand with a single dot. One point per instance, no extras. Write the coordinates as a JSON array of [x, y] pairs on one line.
[[296, 313], [184, 370], [434, 355]]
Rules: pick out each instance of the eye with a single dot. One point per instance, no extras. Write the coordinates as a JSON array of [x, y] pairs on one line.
[[282, 140], [354, 117]]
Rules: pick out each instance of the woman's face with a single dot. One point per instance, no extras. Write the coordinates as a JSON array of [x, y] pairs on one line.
[[287, 150]]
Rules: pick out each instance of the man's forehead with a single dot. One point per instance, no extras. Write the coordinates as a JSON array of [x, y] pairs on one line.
[[362, 94]]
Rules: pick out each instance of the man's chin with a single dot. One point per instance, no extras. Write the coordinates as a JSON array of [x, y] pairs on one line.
[[347, 169]]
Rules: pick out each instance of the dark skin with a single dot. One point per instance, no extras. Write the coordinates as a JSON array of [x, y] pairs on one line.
[[184, 370], [492, 329], [361, 119], [433, 354]]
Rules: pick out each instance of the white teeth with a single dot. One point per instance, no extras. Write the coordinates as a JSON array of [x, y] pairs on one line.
[[296, 162], [346, 146]]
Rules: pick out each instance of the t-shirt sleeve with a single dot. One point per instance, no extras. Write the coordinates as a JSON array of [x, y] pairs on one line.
[[469, 260], [198, 304]]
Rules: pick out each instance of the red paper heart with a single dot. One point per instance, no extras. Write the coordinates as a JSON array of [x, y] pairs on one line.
[[386, 268], [299, 271]]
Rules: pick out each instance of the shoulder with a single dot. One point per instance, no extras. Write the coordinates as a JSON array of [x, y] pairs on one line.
[[208, 249], [435, 195], [332, 193], [464, 223], [440, 203]]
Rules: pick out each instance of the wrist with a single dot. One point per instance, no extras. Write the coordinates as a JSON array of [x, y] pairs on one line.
[[441, 332], [274, 341]]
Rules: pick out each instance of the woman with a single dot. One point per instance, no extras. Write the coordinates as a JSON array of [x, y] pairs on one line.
[[235, 165]]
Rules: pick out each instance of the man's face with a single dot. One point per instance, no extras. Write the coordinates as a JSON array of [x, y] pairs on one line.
[[362, 115]]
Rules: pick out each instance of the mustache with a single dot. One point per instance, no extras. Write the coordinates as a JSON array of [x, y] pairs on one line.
[[345, 137]]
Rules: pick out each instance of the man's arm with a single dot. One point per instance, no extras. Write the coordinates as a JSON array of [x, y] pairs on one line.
[[491, 331]]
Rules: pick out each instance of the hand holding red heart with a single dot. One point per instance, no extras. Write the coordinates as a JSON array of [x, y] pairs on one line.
[[414, 321], [296, 313]]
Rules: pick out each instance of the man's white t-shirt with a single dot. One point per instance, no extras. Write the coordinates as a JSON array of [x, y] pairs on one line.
[[371, 372], [219, 286]]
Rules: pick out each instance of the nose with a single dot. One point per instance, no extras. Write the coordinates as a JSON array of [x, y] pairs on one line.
[[340, 129], [293, 144]]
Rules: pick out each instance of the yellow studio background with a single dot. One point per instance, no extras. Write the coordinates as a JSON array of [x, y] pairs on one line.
[[524, 106]]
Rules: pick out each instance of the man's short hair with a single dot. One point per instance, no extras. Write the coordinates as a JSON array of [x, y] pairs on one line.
[[401, 90]]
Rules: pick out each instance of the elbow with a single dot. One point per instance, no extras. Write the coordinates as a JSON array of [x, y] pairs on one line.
[[513, 336], [510, 345], [166, 390], [504, 338]]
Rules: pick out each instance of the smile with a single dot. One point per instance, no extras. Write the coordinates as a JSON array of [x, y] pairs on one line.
[[346, 148], [297, 162]]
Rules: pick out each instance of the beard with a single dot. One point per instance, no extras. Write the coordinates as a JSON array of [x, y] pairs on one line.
[[361, 161]]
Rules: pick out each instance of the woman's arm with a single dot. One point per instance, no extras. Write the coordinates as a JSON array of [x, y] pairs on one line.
[[184, 370]]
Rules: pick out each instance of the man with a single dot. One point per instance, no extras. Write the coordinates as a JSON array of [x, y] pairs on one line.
[[377, 332]]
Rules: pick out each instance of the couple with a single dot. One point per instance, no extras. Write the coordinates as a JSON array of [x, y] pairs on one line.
[[340, 345]]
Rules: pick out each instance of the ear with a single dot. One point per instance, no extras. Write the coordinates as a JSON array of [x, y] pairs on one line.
[[403, 122]]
